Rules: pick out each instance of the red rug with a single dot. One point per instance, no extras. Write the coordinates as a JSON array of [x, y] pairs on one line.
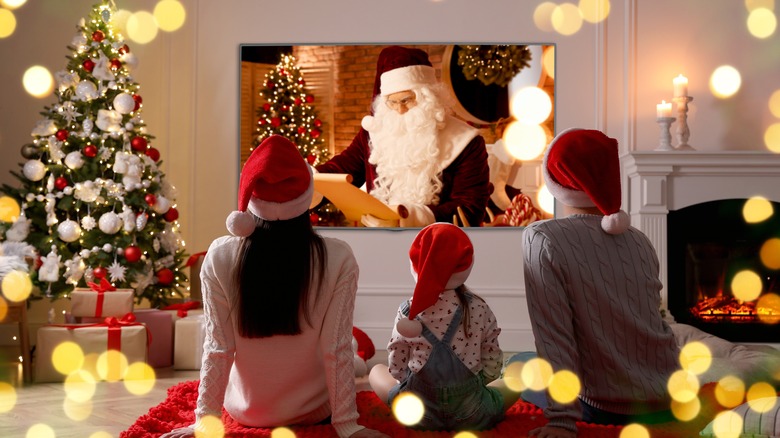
[[177, 411]]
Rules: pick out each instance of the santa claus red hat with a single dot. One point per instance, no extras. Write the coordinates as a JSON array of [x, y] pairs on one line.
[[402, 68], [441, 257], [276, 184], [582, 169]]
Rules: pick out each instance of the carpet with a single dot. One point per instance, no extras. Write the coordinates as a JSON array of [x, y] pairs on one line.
[[177, 411]]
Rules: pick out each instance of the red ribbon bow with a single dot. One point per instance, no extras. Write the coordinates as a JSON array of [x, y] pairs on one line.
[[104, 286], [182, 308], [194, 258]]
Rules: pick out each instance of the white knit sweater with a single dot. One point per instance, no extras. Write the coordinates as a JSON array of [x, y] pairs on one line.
[[281, 380]]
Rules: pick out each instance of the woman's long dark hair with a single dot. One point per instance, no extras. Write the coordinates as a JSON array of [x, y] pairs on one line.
[[275, 277]]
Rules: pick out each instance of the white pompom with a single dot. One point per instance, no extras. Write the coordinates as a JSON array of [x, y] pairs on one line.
[[240, 223], [124, 103], [367, 123], [409, 328], [616, 223], [34, 170], [69, 230]]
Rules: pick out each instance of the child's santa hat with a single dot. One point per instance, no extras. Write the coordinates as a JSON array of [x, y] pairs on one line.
[[276, 184], [582, 169], [441, 257]]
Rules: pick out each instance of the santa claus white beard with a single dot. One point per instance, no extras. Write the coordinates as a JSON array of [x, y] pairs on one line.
[[406, 154]]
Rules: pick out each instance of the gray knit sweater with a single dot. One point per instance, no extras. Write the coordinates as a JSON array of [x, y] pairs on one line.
[[594, 302]]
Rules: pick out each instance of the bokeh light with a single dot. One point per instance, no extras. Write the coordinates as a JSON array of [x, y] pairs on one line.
[[101, 434], [536, 374], [686, 411], [772, 138], [634, 430], [513, 376], [763, 405], [727, 424], [768, 308], [543, 16], [12, 4], [545, 200], [755, 4], [210, 427], [530, 105], [683, 386], [761, 23], [139, 378], [408, 409], [38, 81], [746, 285], [757, 209], [7, 23], [770, 253], [282, 432], [594, 11], [548, 61], [7, 397], [111, 365], [774, 103], [695, 357], [566, 19], [77, 411], [525, 142], [759, 391], [9, 209], [80, 386], [3, 308], [119, 21], [465, 435], [67, 357], [16, 286], [730, 391], [564, 386], [725, 81], [170, 15], [40, 430], [141, 27]]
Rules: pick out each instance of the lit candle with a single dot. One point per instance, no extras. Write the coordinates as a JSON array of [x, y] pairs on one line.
[[680, 86], [663, 109]]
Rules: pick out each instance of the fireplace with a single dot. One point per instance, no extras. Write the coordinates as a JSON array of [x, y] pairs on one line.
[[689, 205], [710, 245]]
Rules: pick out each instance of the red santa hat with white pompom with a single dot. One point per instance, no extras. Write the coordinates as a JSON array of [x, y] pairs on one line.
[[276, 184], [441, 257]]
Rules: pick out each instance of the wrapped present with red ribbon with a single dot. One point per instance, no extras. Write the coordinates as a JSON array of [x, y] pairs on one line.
[[188, 340], [99, 343], [160, 326], [183, 309], [101, 300]]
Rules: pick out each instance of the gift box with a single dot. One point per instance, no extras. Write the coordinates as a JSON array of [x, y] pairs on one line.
[[101, 300], [183, 310], [188, 342], [124, 335], [160, 326]]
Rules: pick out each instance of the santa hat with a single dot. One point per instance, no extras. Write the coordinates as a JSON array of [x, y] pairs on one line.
[[441, 257], [276, 184], [582, 169], [402, 68]]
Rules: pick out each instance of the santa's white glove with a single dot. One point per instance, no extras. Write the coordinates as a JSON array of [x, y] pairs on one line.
[[418, 216], [369, 220]]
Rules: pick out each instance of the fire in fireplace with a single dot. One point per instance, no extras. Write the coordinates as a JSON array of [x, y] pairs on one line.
[[714, 255]]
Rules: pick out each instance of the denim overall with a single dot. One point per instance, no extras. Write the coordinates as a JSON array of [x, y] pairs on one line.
[[454, 398]]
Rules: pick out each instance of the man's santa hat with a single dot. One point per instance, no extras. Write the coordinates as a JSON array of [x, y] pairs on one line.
[[276, 184], [441, 257], [582, 169]]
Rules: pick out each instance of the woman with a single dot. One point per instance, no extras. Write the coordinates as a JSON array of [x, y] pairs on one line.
[[278, 301]]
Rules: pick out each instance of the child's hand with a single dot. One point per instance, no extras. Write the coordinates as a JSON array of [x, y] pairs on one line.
[[552, 432]]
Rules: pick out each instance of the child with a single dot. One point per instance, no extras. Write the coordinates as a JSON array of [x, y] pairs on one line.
[[446, 340]]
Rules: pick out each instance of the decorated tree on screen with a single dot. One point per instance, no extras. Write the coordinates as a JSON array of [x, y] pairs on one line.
[[94, 202], [287, 111]]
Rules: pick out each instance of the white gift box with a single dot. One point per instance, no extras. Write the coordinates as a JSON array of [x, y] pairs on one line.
[[87, 302], [189, 334]]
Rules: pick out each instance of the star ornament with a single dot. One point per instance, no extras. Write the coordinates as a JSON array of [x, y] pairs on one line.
[[117, 272]]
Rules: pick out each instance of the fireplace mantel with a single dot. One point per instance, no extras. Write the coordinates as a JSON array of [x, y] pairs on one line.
[[657, 182]]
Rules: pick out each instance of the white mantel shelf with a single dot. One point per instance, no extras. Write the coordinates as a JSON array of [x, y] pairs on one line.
[[657, 182]]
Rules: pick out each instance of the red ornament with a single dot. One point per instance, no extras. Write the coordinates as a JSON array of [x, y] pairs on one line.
[[317, 122], [171, 215], [90, 150], [266, 107], [150, 199], [315, 133], [132, 253], [88, 65], [309, 98], [314, 218], [285, 108], [282, 72], [138, 101], [260, 122], [269, 84], [124, 49], [99, 272], [61, 182], [62, 134], [138, 144], [116, 64], [153, 153], [275, 122], [301, 130], [98, 36], [298, 101], [301, 81], [165, 276], [311, 159]]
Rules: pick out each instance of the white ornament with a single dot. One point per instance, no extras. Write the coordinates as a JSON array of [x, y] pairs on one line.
[[110, 223], [86, 91], [29, 197], [140, 221], [68, 190], [34, 170], [124, 103], [117, 271], [162, 205], [129, 126], [55, 150], [93, 136], [74, 160], [44, 128], [86, 191], [87, 125], [50, 183], [88, 223], [69, 230], [107, 247], [84, 253], [108, 120], [156, 245], [19, 230], [128, 217], [50, 267], [74, 269], [130, 60], [66, 79], [102, 69]]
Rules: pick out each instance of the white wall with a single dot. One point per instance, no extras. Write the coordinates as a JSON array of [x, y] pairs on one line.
[[609, 76]]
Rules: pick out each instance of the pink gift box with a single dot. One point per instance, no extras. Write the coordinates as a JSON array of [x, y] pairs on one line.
[[160, 325]]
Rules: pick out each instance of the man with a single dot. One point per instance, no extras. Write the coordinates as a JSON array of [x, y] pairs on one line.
[[412, 152]]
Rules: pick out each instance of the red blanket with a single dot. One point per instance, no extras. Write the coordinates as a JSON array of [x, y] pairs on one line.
[[177, 411]]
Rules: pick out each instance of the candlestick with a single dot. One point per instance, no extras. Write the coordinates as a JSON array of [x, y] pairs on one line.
[[683, 133], [664, 109], [680, 86], [666, 137]]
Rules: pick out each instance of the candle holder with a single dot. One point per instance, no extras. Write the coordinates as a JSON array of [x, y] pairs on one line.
[[666, 137], [683, 133]]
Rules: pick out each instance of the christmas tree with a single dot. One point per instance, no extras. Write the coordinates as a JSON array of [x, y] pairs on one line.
[[94, 202]]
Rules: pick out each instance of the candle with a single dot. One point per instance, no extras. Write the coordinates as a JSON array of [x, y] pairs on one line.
[[680, 86], [663, 109]]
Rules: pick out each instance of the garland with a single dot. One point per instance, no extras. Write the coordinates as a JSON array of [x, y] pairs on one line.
[[493, 64]]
